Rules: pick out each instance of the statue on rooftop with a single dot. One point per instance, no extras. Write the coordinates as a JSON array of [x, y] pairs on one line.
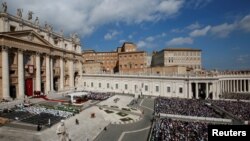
[[50, 28], [46, 25], [36, 21], [30, 13], [61, 32], [75, 37], [4, 6], [19, 12]]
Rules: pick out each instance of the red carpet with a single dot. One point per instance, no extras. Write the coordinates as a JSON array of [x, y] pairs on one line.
[[51, 100]]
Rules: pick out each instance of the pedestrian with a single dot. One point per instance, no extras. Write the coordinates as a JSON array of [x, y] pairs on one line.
[[39, 127], [49, 123], [77, 122]]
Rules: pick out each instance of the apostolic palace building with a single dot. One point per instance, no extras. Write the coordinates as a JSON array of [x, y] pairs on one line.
[[35, 59]]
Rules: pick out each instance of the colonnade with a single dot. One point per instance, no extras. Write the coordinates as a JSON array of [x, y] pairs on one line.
[[235, 85]]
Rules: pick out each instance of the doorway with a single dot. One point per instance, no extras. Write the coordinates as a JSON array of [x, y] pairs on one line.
[[13, 91], [29, 87]]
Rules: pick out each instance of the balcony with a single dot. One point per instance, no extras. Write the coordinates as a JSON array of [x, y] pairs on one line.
[[13, 70], [56, 71]]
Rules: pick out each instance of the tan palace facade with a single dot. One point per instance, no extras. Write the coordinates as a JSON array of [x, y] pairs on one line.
[[34, 58]]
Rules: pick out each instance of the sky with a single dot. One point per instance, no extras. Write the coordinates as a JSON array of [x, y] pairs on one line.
[[220, 28]]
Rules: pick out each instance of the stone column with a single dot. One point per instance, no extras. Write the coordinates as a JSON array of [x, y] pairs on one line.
[[196, 90], [190, 90], [207, 89], [222, 87], [240, 90], [218, 90], [51, 75], [71, 74], [5, 73], [236, 87], [248, 85], [215, 89], [20, 75], [245, 85], [231, 85], [38, 72], [225, 86], [228, 86], [61, 73], [47, 74]]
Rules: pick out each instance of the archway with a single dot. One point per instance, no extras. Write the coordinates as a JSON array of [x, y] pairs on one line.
[[56, 83]]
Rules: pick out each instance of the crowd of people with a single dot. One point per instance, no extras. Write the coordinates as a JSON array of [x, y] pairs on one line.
[[166, 129], [186, 107], [4, 100], [236, 96], [237, 108], [176, 130], [98, 96], [37, 110]]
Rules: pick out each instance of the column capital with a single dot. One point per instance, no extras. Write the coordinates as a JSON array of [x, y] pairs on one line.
[[38, 53], [47, 55], [20, 50], [5, 48], [61, 57]]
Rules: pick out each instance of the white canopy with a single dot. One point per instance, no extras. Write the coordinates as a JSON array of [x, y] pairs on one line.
[[72, 95]]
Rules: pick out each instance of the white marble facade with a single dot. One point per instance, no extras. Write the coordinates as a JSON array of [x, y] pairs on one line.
[[166, 86]]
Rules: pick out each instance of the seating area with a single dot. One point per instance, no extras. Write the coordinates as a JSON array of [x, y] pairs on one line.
[[15, 114], [186, 107], [236, 96], [38, 114], [173, 130], [98, 96], [43, 119], [237, 108], [39, 110]]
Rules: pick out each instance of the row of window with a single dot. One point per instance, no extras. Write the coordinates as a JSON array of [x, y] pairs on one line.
[[103, 61], [132, 66], [157, 88], [135, 56], [186, 53], [184, 58]]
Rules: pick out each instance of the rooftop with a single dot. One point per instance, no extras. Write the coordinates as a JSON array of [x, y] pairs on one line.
[[181, 49]]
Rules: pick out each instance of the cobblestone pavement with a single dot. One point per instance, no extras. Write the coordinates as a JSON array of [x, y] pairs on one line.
[[137, 131], [88, 128]]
